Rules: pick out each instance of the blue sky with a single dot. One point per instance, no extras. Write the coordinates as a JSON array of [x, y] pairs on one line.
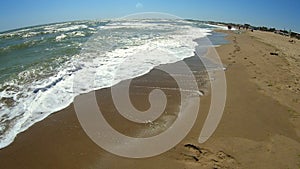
[[282, 14]]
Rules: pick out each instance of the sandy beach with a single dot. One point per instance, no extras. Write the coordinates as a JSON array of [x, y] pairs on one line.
[[260, 127]]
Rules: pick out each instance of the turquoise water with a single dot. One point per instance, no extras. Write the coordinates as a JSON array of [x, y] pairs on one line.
[[24, 49]]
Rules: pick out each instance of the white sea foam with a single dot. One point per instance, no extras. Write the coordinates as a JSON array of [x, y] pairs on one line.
[[104, 65], [222, 27], [76, 34], [70, 28], [60, 37]]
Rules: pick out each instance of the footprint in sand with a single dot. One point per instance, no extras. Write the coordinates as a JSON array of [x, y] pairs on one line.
[[206, 158]]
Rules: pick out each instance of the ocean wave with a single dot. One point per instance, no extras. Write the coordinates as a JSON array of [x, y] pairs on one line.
[[107, 58], [71, 28], [49, 29], [60, 37], [18, 46]]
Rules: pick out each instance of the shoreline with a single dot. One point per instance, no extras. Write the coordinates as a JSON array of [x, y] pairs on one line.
[[257, 130], [65, 121], [216, 40]]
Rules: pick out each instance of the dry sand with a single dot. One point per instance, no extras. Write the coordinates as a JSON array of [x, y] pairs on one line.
[[260, 127]]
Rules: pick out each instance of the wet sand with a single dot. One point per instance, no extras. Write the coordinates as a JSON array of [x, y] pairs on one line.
[[259, 129]]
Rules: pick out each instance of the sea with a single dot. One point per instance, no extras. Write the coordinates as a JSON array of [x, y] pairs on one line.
[[38, 64]]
